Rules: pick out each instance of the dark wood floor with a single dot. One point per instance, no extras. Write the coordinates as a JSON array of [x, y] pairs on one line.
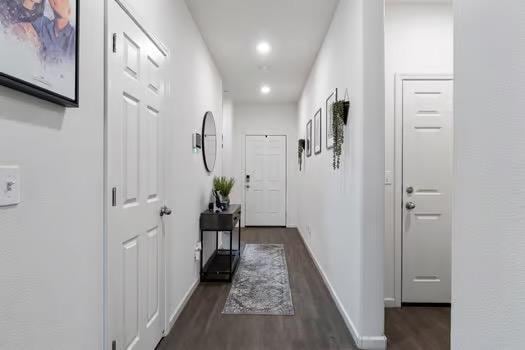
[[317, 324], [418, 328]]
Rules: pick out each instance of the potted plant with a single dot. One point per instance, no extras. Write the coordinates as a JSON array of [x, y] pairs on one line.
[[222, 188], [300, 151], [339, 119]]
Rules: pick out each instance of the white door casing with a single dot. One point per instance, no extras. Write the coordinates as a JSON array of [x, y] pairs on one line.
[[135, 233], [265, 180], [427, 190]]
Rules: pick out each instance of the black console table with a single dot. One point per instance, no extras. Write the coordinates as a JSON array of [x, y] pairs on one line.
[[221, 266]]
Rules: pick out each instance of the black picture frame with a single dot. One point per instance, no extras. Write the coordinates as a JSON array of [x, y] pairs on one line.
[[309, 139], [318, 135], [46, 94], [333, 97]]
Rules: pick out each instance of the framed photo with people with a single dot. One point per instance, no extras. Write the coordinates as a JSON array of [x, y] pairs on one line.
[[39, 48]]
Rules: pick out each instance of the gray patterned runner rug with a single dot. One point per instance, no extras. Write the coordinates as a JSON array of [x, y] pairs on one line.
[[261, 285]]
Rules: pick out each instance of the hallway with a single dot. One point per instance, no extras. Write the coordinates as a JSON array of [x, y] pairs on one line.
[[317, 323], [366, 143]]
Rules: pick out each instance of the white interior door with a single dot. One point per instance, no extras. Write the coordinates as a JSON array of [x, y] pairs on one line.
[[135, 172], [427, 186], [265, 181]]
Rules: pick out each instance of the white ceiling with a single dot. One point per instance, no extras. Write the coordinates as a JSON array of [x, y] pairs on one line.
[[294, 28]]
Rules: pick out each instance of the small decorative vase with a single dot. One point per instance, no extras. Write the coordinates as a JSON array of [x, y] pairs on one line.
[[225, 201]]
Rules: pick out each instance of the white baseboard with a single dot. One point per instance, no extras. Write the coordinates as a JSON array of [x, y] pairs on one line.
[[391, 302], [362, 342], [376, 343], [175, 315]]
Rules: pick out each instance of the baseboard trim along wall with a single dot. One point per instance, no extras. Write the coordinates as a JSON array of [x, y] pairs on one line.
[[391, 302], [362, 342], [175, 315]]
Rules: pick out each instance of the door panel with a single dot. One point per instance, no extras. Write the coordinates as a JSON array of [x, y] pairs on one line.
[[427, 186], [135, 168], [266, 187]]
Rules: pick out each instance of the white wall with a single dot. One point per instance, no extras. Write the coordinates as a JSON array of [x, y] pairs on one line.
[[488, 264], [418, 40], [196, 87], [266, 119], [341, 211], [52, 245], [228, 112]]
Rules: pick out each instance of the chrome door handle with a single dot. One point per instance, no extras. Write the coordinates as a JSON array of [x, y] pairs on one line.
[[410, 206], [165, 211]]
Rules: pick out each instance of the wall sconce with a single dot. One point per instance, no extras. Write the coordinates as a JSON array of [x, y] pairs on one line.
[[196, 142]]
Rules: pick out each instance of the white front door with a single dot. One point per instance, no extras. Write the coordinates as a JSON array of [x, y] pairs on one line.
[[265, 181], [135, 182], [427, 187]]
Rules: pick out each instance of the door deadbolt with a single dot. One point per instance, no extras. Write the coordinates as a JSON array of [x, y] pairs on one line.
[[410, 190]]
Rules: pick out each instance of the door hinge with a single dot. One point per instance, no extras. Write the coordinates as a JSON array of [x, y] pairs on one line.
[[114, 197], [114, 345], [114, 42]]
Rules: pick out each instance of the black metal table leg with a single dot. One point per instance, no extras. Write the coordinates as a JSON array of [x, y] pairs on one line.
[[202, 248], [231, 256], [239, 243]]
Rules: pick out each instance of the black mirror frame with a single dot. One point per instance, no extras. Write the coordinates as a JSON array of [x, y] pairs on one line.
[[206, 165]]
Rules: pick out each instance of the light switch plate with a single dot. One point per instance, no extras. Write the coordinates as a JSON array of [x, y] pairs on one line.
[[9, 185]]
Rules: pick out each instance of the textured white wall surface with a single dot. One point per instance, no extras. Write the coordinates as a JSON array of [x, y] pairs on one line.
[[228, 111], [488, 264], [340, 212], [266, 119], [418, 40], [52, 245]]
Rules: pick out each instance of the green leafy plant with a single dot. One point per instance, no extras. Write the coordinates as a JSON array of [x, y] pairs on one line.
[[339, 118], [223, 185]]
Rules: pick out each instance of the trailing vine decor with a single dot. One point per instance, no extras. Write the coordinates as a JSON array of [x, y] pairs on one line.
[[340, 111], [300, 151]]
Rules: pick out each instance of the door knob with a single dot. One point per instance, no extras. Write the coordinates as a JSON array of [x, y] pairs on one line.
[[411, 205], [165, 211]]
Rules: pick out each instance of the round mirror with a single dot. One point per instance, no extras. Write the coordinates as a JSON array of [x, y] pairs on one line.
[[209, 141]]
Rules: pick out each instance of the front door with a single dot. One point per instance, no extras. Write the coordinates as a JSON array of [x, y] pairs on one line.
[[135, 179], [265, 181], [427, 190]]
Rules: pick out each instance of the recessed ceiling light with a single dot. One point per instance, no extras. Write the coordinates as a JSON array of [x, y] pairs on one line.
[[264, 48], [265, 89]]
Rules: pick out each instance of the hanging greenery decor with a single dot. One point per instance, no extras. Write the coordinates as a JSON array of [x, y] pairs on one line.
[[302, 146], [339, 119]]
